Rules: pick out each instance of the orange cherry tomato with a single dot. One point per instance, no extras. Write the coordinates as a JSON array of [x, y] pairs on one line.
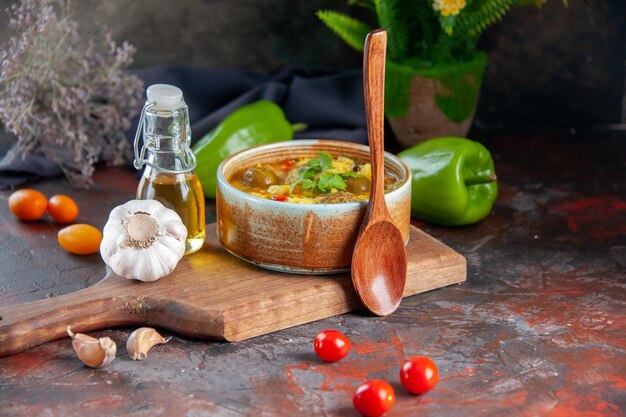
[[374, 398], [62, 208], [28, 204], [331, 345], [80, 239], [419, 374]]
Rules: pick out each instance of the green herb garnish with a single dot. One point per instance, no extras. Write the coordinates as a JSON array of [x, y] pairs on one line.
[[323, 162], [351, 175], [328, 181], [313, 176]]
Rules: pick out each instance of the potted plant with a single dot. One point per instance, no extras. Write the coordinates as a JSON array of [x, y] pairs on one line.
[[434, 71]]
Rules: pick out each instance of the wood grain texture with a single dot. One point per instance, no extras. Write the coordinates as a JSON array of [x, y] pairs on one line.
[[374, 88], [214, 295], [379, 262]]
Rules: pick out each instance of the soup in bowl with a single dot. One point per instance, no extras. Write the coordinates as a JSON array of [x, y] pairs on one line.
[[297, 206], [323, 179]]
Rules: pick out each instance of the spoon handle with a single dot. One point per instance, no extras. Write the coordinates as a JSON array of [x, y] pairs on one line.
[[374, 86]]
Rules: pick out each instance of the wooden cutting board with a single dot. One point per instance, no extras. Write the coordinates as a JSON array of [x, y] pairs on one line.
[[214, 295]]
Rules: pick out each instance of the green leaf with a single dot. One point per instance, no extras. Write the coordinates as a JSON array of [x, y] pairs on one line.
[[424, 14], [309, 172], [351, 30], [329, 181], [307, 178], [367, 4], [390, 18], [323, 161], [306, 184], [447, 23], [472, 22], [537, 3]]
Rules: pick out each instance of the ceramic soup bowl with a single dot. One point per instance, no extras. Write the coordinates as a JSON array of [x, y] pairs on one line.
[[300, 238]]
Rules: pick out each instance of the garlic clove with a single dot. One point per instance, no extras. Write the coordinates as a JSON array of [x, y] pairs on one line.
[[93, 352], [110, 348], [141, 341]]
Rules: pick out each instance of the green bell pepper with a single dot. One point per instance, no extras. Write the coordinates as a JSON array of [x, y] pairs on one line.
[[253, 124], [454, 181]]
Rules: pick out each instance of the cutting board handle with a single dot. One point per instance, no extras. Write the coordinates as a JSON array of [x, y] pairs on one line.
[[26, 325]]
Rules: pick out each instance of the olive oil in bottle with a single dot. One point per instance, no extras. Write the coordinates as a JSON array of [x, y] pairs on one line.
[[169, 162], [183, 194]]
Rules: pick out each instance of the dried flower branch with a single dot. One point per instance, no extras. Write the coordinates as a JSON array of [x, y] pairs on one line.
[[64, 96]]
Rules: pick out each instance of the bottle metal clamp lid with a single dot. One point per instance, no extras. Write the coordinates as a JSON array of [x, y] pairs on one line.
[[160, 97]]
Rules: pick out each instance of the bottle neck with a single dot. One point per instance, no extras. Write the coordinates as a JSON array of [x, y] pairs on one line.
[[168, 123], [167, 138], [161, 156]]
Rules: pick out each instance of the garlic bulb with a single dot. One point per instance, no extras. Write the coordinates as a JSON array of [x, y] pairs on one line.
[[141, 341], [143, 240], [91, 351]]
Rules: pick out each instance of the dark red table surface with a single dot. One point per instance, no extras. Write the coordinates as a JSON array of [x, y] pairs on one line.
[[538, 329]]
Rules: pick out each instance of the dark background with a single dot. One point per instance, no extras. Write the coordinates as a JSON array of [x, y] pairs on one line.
[[553, 67]]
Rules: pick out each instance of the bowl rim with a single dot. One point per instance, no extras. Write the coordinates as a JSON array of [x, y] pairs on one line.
[[296, 142]]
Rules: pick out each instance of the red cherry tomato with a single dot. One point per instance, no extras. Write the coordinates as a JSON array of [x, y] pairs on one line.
[[374, 398], [331, 345], [419, 375]]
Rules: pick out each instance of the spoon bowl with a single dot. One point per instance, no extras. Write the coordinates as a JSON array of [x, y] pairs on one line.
[[380, 268], [379, 261]]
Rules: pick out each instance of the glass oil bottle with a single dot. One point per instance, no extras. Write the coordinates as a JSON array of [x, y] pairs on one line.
[[169, 175]]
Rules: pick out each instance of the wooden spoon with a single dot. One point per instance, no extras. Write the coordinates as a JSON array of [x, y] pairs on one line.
[[379, 260]]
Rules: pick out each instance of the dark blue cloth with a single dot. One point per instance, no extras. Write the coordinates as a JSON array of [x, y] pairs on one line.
[[331, 104]]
